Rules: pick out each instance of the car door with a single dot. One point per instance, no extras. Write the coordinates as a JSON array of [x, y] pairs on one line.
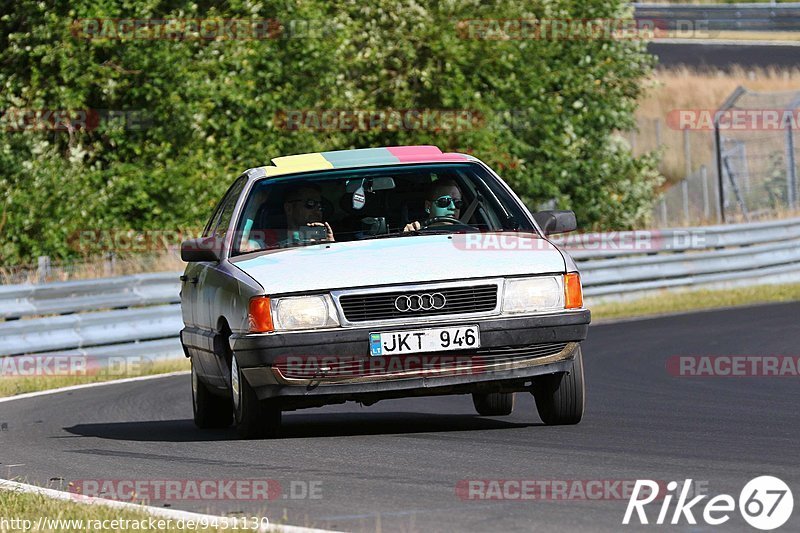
[[191, 276], [208, 282], [213, 280]]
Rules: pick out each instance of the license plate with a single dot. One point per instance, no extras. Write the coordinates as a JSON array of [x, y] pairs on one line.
[[424, 340]]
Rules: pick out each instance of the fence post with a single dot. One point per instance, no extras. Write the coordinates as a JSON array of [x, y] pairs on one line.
[[736, 192], [706, 202], [110, 264], [720, 178], [685, 191], [791, 170], [687, 152], [663, 212], [43, 268]]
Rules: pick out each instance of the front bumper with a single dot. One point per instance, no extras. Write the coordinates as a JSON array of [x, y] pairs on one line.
[[512, 351]]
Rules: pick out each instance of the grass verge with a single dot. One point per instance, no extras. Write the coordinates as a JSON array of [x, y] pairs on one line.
[[55, 515], [13, 385], [696, 300]]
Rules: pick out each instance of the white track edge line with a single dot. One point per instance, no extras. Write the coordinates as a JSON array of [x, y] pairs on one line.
[[156, 511], [174, 514], [91, 385]]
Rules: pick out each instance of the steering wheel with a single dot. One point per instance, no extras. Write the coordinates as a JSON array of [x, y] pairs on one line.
[[437, 220]]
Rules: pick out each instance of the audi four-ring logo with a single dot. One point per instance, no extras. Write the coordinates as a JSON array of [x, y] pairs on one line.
[[420, 302]]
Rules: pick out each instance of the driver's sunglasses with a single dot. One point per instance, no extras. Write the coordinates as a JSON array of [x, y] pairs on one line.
[[447, 200], [311, 203]]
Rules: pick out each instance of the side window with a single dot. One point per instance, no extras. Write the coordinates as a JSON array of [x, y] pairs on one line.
[[221, 220], [212, 222]]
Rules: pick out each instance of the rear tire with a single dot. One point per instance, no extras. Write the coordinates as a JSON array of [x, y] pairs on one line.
[[254, 418], [210, 411], [560, 398], [493, 403]]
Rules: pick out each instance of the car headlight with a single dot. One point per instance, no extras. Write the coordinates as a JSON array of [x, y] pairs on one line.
[[530, 295], [303, 312]]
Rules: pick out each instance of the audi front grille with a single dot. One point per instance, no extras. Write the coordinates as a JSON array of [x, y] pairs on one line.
[[411, 304]]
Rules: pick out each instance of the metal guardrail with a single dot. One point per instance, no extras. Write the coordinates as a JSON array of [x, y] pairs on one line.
[[637, 242], [616, 264], [641, 262], [716, 17], [88, 295], [90, 329]]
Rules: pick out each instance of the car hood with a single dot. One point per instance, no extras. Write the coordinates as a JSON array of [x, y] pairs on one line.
[[392, 261]]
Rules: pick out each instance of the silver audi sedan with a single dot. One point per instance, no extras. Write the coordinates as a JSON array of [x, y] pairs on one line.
[[363, 275]]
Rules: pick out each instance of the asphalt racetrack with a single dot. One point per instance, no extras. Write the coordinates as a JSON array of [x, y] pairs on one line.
[[396, 466], [725, 56]]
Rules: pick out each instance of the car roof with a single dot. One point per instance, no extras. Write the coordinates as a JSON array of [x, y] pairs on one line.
[[363, 157]]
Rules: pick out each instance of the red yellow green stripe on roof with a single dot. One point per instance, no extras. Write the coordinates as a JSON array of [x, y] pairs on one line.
[[393, 155]]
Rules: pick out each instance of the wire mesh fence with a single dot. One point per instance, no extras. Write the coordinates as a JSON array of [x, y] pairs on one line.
[[757, 153], [752, 172], [693, 201]]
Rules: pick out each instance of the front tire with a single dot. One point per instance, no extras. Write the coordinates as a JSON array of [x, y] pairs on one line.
[[254, 418], [493, 403], [210, 411], [560, 398]]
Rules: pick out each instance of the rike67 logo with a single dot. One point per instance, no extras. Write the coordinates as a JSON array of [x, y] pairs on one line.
[[765, 503]]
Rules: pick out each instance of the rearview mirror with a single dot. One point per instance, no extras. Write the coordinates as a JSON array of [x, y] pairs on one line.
[[370, 184], [201, 249], [553, 222]]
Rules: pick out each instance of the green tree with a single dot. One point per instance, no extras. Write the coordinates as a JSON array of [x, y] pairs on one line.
[[201, 111]]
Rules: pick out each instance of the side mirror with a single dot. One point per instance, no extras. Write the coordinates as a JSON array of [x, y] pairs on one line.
[[553, 222], [201, 249]]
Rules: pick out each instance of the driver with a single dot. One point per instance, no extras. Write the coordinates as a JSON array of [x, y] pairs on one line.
[[444, 200], [302, 205]]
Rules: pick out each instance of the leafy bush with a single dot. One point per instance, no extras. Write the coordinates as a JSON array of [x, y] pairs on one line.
[[201, 111]]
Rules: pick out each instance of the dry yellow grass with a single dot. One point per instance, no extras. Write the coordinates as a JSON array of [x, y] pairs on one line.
[[13, 385], [36, 512], [695, 300], [684, 88], [95, 267], [737, 35]]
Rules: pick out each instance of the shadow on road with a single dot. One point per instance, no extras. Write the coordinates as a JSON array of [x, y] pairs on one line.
[[297, 426]]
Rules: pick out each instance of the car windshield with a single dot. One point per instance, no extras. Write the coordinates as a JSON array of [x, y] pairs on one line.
[[374, 203]]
